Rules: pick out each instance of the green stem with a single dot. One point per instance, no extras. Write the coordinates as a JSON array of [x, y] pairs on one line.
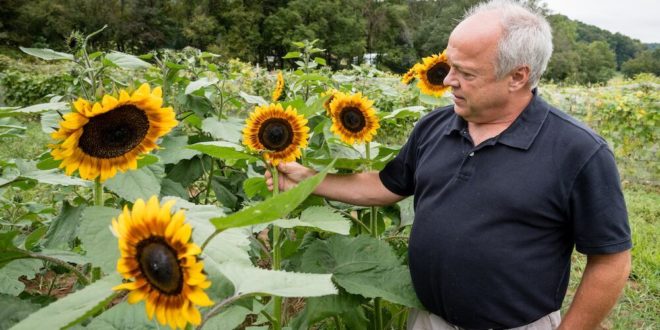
[[98, 193], [208, 183], [64, 264], [277, 301], [379, 315]]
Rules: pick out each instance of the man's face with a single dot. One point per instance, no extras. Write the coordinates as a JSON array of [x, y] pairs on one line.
[[472, 54]]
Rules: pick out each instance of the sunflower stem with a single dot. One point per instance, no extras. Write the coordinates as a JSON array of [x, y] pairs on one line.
[[379, 315], [83, 279], [277, 301], [208, 183], [98, 192]]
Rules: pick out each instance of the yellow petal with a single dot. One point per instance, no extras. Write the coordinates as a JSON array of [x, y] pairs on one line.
[[109, 102], [183, 234], [194, 317], [199, 297], [175, 224], [136, 296]]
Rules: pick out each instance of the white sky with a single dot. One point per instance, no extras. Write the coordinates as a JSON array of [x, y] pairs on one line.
[[638, 19]]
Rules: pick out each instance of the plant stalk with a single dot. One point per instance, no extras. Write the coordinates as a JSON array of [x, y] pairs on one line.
[[98, 192], [277, 301]]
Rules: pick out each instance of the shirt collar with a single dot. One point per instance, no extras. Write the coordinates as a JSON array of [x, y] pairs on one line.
[[523, 130]]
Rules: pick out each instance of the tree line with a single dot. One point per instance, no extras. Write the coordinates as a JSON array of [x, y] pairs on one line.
[[400, 32]]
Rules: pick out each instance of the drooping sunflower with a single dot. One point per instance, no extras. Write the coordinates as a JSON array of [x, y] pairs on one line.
[[278, 92], [99, 139], [157, 253], [279, 132], [353, 118], [432, 73], [332, 93]]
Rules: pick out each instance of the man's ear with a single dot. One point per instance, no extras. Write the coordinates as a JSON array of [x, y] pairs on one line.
[[519, 78]]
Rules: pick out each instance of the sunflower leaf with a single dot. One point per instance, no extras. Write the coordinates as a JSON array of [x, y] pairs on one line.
[[228, 130], [46, 54], [291, 55], [362, 265], [126, 61], [131, 185], [248, 279], [196, 85], [253, 99], [29, 170], [97, 239], [74, 307], [274, 208], [223, 150], [124, 316], [63, 229], [9, 275], [14, 309], [321, 217], [173, 149], [347, 306]]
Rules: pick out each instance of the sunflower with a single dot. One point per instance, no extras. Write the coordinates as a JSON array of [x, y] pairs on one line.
[[353, 118], [281, 133], [409, 76], [432, 73], [278, 93], [332, 93], [99, 139], [156, 252]]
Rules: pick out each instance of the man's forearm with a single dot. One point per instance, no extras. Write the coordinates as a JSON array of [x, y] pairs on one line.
[[602, 282], [363, 189]]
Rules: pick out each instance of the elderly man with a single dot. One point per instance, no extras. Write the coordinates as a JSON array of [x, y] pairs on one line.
[[505, 187]]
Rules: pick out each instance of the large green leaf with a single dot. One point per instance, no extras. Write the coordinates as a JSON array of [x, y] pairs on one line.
[[97, 239], [255, 186], [8, 250], [72, 308], [230, 130], [29, 170], [200, 83], [407, 211], [248, 279], [344, 305], [37, 108], [124, 316], [131, 185], [47, 54], [63, 229], [253, 99], [10, 273], [230, 318], [321, 217], [127, 61], [13, 309], [274, 208], [50, 121], [408, 112], [223, 150], [362, 265], [63, 255], [173, 149]]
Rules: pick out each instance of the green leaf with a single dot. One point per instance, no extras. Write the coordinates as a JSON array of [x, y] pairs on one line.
[[407, 212], [50, 121], [253, 99], [127, 61], [230, 318], [292, 55], [273, 208], [72, 308], [174, 148], [231, 245], [187, 171], [97, 239], [252, 280], [13, 309], [10, 273], [37, 108], [47, 54], [320, 60], [321, 217], [407, 112], [47, 162], [64, 228], [230, 130], [68, 256], [432, 100], [344, 305], [34, 237], [124, 316], [9, 251], [172, 188], [223, 150], [255, 186], [362, 265], [29, 170], [193, 86], [134, 184], [146, 160]]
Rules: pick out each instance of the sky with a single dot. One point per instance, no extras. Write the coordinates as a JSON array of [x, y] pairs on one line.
[[638, 19]]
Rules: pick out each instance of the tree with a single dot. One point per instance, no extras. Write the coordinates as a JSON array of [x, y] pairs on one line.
[[646, 61]]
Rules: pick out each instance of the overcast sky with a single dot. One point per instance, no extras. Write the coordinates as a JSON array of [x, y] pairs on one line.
[[638, 19]]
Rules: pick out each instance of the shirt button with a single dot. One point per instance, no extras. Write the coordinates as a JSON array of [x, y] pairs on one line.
[[471, 154]]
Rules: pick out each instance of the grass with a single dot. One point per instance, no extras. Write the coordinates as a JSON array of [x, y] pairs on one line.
[[639, 306]]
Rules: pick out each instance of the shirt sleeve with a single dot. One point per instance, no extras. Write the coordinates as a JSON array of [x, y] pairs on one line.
[[398, 176], [597, 206]]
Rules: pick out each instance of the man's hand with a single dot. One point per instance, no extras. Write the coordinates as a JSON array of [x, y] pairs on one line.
[[290, 174]]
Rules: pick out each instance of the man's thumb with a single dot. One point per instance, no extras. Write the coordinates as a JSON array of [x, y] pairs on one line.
[[282, 167]]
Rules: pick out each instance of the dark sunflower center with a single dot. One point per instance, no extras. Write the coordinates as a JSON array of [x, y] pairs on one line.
[[352, 119], [276, 134], [115, 132], [437, 73], [159, 265]]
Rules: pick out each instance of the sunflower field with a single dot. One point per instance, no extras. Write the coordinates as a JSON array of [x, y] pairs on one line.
[[142, 201]]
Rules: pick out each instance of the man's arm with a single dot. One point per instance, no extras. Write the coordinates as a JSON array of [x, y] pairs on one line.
[[363, 189], [602, 282]]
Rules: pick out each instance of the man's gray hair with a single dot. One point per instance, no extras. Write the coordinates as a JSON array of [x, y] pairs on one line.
[[526, 39]]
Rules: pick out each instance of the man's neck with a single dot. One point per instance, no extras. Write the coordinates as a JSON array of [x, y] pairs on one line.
[[481, 131]]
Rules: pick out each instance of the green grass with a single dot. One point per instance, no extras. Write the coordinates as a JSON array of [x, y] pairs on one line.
[[639, 306]]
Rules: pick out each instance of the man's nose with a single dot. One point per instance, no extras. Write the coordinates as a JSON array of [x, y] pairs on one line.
[[450, 78]]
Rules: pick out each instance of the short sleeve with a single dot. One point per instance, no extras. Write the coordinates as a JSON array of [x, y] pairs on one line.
[[597, 206], [398, 176]]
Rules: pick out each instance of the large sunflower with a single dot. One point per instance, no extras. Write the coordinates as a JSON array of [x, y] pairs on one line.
[[432, 73], [353, 118], [156, 252], [99, 139], [332, 93], [280, 133], [278, 92]]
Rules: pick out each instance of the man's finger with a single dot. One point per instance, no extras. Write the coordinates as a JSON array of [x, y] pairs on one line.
[[282, 167]]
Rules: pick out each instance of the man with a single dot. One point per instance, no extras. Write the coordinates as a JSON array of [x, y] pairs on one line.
[[505, 186]]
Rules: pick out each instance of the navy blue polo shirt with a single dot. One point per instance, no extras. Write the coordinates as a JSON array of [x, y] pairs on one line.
[[495, 224]]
